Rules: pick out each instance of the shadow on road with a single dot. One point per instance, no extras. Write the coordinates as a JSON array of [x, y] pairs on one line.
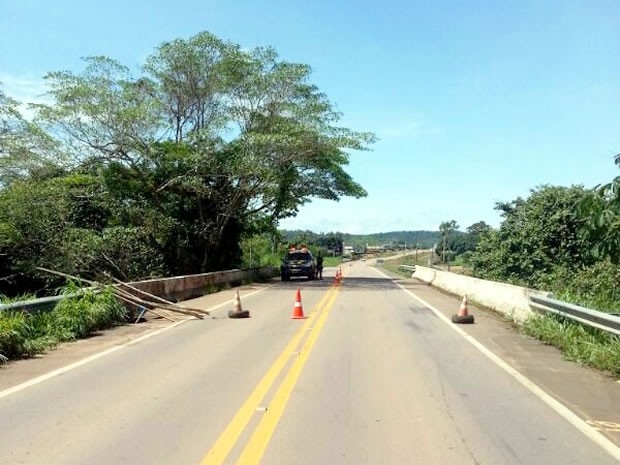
[[347, 284]]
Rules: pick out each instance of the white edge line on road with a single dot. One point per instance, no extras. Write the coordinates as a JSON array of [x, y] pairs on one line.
[[92, 358], [559, 408]]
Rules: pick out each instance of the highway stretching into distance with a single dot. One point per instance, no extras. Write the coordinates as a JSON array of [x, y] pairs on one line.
[[372, 376]]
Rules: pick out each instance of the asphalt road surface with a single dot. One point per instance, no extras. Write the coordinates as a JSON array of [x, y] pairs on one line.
[[370, 377]]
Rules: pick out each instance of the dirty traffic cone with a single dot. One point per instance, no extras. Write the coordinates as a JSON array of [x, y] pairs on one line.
[[298, 310], [463, 317], [237, 312]]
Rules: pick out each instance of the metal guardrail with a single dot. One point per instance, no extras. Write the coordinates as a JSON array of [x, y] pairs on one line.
[[44, 304], [32, 306], [47, 304], [608, 322], [407, 268]]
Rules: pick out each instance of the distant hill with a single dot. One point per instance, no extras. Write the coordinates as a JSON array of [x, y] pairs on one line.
[[423, 239]]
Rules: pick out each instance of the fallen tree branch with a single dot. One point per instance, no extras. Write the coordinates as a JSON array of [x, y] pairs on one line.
[[131, 298], [157, 298]]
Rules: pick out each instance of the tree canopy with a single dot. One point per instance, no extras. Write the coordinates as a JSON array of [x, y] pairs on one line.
[[537, 235], [601, 210], [206, 143]]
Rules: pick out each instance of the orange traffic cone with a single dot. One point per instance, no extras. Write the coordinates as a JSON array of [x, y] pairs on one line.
[[463, 317], [298, 310], [237, 312]]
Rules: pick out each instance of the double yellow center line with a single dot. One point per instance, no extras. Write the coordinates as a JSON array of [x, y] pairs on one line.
[[257, 444]]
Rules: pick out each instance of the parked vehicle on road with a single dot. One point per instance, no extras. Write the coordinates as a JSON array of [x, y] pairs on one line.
[[298, 263]]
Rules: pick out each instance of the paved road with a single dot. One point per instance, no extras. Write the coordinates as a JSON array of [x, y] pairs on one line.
[[371, 377]]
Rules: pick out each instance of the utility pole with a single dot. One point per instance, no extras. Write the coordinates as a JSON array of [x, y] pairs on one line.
[[443, 249]]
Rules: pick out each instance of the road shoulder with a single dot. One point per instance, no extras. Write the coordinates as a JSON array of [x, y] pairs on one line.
[[17, 372], [591, 394]]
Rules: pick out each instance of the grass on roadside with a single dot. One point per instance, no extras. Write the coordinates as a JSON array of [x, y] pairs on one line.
[[332, 261], [394, 263], [582, 344], [579, 343], [24, 335]]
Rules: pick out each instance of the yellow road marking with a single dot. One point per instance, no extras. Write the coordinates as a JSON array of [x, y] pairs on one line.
[[229, 436], [257, 444]]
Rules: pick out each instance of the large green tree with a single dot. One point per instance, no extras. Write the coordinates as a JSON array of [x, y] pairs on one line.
[[537, 235], [206, 144], [447, 229]]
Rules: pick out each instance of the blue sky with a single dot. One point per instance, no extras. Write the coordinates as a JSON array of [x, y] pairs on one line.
[[473, 101]]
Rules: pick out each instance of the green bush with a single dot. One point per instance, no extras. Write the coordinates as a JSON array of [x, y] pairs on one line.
[[79, 317], [595, 286], [579, 343], [14, 331], [24, 335]]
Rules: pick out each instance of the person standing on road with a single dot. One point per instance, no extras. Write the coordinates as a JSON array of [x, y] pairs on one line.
[[319, 265]]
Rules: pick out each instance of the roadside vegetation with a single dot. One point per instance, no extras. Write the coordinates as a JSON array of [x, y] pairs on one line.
[[578, 343], [565, 240], [24, 335], [184, 166], [412, 259], [189, 165]]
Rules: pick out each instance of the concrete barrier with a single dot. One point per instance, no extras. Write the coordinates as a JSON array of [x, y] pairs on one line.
[[511, 301], [187, 287], [174, 288]]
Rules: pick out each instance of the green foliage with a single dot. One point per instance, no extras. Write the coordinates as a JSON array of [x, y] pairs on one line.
[[24, 335], [167, 170], [537, 235], [130, 252], [25, 149], [65, 224], [396, 239], [260, 251], [78, 317], [544, 242], [579, 343], [600, 209], [332, 261], [596, 286], [447, 231], [13, 333], [330, 241], [44, 223]]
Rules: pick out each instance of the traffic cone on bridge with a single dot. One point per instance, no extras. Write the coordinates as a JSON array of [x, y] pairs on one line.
[[237, 311], [463, 316], [298, 309]]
